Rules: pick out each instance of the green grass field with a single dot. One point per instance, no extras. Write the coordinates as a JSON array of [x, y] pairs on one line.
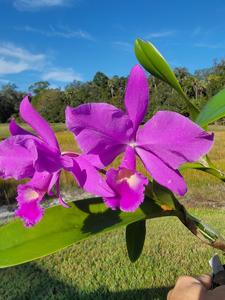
[[100, 269], [4, 132]]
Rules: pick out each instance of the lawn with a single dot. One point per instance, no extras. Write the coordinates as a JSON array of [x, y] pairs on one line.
[[99, 268], [4, 131]]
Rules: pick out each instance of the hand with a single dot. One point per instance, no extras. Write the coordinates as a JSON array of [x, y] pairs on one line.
[[190, 288]]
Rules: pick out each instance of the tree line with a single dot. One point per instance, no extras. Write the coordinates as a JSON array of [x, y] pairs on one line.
[[51, 102]]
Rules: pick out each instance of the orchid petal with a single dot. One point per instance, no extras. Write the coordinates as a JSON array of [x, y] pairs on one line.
[[39, 125], [16, 159], [15, 129], [89, 178], [100, 129], [162, 173], [21, 155], [45, 159], [41, 181], [54, 178], [174, 138], [105, 154], [136, 96], [129, 187]]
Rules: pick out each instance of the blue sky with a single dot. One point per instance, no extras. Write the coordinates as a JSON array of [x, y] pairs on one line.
[[63, 40]]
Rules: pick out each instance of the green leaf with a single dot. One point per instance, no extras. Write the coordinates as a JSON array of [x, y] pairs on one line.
[[135, 238], [205, 165], [212, 171], [62, 227], [213, 110], [152, 60]]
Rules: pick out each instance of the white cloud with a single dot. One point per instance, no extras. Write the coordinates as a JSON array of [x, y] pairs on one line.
[[9, 67], [161, 34], [9, 49], [59, 31], [38, 4], [14, 60], [62, 75]]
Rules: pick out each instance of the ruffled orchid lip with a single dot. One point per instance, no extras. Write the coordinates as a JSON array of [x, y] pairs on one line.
[[28, 194], [124, 175], [29, 208], [128, 186], [31, 195]]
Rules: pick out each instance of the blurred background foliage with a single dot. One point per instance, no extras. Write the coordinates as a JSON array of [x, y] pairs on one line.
[[51, 102]]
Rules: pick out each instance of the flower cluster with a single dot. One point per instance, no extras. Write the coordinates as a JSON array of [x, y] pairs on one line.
[[103, 132]]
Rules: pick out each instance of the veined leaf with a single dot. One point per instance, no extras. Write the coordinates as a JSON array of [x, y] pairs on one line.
[[213, 110], [62, 227], [152, 60], [135, 238]]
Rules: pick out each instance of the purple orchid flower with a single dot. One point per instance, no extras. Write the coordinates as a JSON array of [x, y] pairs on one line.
[[163, 144], [29, 197], [127, 184], [25, 155]]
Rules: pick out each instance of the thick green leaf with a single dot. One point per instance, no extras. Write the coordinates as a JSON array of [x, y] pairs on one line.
[[62, 227], [135, 238], [152, 60], [213, 110]]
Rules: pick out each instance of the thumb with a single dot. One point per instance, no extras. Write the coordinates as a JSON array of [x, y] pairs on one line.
[[205, 280]]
